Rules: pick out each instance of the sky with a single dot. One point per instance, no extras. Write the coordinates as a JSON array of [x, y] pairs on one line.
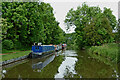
[[61, 7]]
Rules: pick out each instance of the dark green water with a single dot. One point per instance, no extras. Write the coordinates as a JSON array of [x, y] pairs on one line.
[[88, 67], [29, 68], [69, 64]]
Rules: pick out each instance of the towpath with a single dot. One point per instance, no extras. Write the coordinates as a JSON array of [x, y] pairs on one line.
[[13, 52]]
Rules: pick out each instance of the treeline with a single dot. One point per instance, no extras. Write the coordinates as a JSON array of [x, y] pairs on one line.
[[93, 26], [24, 23]]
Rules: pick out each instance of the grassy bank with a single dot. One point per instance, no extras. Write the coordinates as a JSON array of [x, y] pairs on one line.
[[14, 55], [11, 51], [106, 52]]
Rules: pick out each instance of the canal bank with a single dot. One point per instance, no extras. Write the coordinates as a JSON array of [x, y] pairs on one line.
[[13, 60], [107, 53], [14, 54], [8, 58]]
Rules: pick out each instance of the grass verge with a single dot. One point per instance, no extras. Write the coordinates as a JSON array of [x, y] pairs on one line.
[[11, 51], [106, 52], [14, 55]]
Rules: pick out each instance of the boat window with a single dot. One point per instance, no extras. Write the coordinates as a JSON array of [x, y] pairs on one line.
[[37, 48]]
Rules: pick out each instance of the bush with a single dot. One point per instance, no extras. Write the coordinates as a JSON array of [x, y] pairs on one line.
[[7, 44], [20, 46], [17, 45]]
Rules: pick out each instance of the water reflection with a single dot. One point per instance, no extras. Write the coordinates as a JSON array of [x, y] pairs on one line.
[[29, 68], [71, 53], [89, 67], [66, 69], [118, 66], [41, 65]]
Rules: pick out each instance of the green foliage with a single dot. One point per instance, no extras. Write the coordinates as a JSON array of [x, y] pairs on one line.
[[108, 13], [29, 22], [98, 31], [108, 51], [93, 27], [116, 36], [4, 28], [18, 45], [69, 39], [7, 44]]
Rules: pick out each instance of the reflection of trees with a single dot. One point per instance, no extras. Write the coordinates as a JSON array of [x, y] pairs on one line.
[[68, 73], [70, 39]]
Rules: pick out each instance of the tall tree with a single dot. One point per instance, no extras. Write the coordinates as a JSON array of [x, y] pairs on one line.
[[82, 17], [108, 13], [98, 31], [30, 22]]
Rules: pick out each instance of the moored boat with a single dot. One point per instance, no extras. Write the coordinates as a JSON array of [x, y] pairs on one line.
[[40, 50]]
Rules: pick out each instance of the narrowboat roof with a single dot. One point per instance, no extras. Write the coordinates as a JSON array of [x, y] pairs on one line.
[[42, 45], [47, 45]]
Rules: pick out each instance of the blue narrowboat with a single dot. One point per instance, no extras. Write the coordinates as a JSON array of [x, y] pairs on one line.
[[38, 50]]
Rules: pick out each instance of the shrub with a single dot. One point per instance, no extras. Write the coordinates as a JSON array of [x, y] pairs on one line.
[[20, 46], [7, 44], [17, 45]]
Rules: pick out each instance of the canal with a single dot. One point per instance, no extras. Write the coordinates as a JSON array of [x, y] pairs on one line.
[[64, 64]]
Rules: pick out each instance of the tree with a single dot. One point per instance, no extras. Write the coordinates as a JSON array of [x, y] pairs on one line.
[[70, 38], [108, 13], [98, 31], [86, 16], [4, 28], [31, 22]]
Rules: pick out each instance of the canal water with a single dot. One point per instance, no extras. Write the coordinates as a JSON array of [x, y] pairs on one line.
[[75, 64], [88, 67], [68, 65]]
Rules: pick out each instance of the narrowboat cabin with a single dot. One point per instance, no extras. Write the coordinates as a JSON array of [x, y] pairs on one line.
[[41, 49], [38, 50]]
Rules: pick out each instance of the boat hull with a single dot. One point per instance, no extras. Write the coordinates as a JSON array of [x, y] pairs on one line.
[[39, 55]]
